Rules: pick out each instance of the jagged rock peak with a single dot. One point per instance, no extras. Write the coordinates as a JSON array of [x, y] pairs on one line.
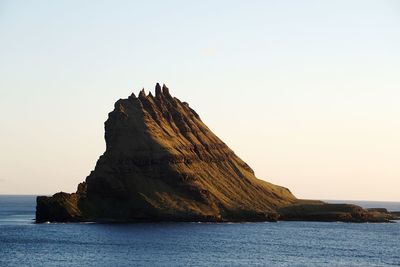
[[132, 96], [165, 90], [158, 90], [142, 93]]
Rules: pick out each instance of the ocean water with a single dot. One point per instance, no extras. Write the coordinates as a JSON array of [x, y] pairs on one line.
[[23, 243]]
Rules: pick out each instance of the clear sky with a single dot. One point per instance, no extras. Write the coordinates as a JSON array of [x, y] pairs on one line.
[[306, 92]]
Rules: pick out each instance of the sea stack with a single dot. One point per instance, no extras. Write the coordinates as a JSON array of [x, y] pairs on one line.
[[162, 163]]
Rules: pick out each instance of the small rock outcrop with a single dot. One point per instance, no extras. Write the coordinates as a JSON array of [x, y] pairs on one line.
[[162, 163]]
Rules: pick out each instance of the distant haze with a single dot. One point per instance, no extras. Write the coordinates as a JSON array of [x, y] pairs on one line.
[[306, 92]]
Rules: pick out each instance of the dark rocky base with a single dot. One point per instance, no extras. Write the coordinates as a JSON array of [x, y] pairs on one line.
[[63, 207]]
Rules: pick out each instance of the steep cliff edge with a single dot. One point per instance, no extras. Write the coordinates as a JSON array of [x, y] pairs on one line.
[[162, 163]]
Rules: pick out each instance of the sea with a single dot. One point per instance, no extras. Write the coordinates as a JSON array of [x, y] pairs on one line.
[[24, 243]]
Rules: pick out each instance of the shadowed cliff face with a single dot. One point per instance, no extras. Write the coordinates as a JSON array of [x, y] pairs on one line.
[[162, 163]]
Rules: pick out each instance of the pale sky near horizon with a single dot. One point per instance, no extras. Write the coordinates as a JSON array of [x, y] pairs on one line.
[[306, 92]]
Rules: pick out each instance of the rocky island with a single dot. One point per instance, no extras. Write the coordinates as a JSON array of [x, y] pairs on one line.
[[162, 163]]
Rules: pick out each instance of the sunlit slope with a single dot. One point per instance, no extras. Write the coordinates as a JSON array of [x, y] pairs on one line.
[[161, 157]]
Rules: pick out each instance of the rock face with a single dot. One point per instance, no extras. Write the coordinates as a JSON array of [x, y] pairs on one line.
[[162, 163]]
